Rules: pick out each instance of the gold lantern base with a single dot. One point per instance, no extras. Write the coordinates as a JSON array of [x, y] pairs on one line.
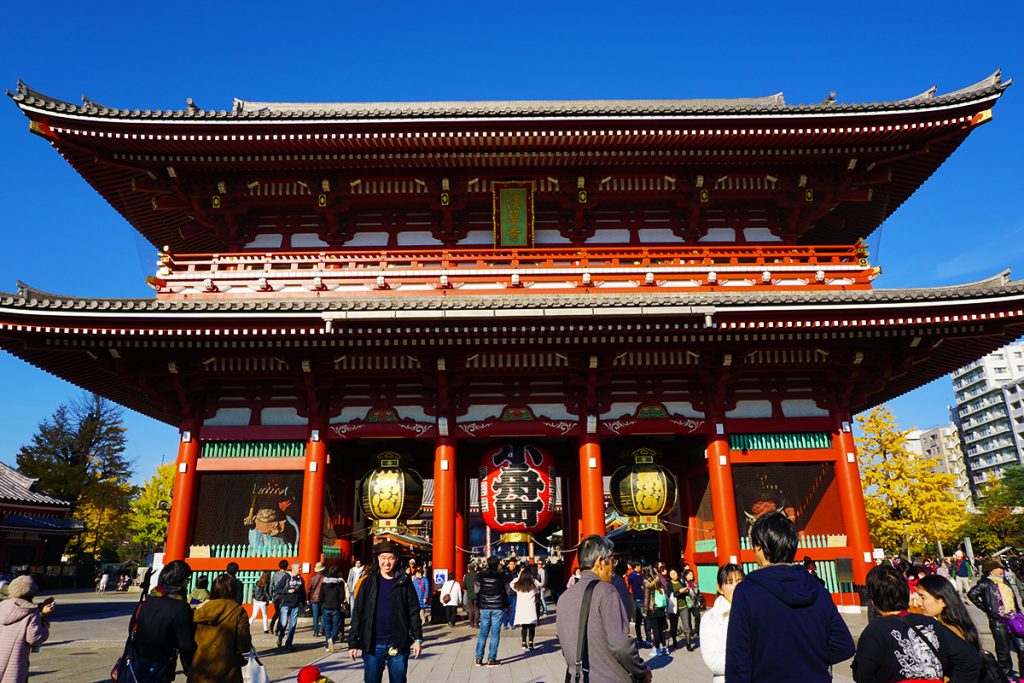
[[388, 526], [515, 537], [644, 523]]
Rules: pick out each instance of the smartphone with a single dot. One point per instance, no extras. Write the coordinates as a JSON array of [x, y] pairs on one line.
[[48, 601]]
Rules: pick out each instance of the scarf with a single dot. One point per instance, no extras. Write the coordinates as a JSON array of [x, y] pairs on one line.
[[1005, 594], [164, 591]]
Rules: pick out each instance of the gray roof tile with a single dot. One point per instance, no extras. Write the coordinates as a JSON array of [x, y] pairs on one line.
[[16, 487], [244, 110]]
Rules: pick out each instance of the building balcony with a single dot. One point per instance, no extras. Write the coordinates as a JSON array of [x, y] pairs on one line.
[[541, 270]]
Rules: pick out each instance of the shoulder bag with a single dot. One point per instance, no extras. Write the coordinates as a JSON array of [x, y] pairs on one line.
[[1015, 623], [991, 672], [581, 666]]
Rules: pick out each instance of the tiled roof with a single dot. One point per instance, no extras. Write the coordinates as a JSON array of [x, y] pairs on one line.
[[16, 487], [244, 110], [40, 524], [999, 285]]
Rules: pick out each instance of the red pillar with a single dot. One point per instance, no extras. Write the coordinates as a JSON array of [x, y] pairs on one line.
[[461, 528], [183, 500], [444, 505], [591, 487], [312, 523], [723, 494], [851, 498]]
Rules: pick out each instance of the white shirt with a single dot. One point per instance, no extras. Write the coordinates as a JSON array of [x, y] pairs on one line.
[[451, 587]]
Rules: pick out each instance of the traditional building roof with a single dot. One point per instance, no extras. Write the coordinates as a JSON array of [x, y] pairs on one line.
[[41, 525], [159, 168], [998, 287], [15, 487], [86, 341], [245, 110]]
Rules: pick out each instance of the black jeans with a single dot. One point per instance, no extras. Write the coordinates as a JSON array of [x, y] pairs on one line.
[[657, 623], [693, 622], [451, 612], [673, 628], [1005, 644], [528, 632]]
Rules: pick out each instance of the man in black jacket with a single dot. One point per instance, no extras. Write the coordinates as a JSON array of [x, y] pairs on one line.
[[386, 623], [492, 601]]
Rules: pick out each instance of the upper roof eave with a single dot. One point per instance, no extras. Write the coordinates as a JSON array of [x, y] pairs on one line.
[[248, 111], [998, 286]]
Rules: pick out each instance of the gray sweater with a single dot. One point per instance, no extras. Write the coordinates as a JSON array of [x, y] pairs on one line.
[[612, 652]]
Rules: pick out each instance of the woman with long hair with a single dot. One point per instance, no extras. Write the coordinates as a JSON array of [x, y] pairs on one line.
[[715, 626], [526, 587], [655, 607], [941, 600], [260, 597]]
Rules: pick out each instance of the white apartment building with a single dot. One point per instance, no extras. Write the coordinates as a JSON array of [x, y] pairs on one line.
[[943, 444], [992, 428]]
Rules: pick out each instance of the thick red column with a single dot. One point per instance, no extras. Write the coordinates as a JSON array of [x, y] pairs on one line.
[[183, 500], [312, 523], [851, 498], [723, 494], [445, 495], [591, 487]]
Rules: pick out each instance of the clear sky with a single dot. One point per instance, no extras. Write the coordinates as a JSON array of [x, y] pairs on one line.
[[59, 235]]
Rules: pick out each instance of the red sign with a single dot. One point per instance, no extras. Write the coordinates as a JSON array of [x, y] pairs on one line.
[[517, 488]]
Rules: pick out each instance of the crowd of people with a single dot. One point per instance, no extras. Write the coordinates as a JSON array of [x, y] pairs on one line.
[[777, 623]]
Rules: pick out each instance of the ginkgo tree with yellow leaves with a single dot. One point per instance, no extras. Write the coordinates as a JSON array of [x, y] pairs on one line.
[[909, 503]]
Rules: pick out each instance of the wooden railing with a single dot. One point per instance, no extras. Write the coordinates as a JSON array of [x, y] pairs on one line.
[[353, 272]]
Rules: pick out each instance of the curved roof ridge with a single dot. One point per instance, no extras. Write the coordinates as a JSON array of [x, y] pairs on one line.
[[763, 105], [774, 100]]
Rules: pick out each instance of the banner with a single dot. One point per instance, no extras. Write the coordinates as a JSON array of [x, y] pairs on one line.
[[513, 214]]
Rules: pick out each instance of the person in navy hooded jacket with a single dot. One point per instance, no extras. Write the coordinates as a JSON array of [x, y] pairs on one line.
[[783, 625]]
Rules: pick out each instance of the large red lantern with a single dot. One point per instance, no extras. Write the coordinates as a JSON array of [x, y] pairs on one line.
[[517, 490]]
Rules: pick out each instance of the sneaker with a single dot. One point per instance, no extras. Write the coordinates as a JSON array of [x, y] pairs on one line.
[[279, 641], [329, 650], [479, 662], [531, 646], [524, 646], [493, 662], [652, 654]]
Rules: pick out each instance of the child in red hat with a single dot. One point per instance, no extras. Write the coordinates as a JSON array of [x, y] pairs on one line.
[[311, 674]]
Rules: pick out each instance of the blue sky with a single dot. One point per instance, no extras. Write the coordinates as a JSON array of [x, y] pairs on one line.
[[60, 236]]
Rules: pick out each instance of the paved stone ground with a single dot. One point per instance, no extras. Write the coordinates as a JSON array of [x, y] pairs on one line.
[[88, 632]]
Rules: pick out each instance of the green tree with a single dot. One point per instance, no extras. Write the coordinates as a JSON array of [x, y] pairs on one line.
[[147, 523], [909, 504], [77, 454], [998, 522]]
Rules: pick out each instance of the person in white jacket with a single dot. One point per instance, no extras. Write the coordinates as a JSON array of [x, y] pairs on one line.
[[451, 598], [715, 624]]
